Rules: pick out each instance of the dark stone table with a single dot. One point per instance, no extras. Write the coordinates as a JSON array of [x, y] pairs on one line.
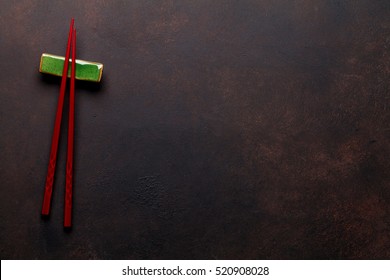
[[225, 129]]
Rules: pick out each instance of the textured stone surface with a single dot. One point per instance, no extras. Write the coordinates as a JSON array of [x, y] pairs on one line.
[[221, 129]]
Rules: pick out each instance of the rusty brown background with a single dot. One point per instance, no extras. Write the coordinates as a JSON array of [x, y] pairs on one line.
[[224, 129]]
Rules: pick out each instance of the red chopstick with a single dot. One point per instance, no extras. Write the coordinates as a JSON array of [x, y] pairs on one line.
[[56, 132], [69, 161]]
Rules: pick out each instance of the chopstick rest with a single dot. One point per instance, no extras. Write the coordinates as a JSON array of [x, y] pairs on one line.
[[85, 70]]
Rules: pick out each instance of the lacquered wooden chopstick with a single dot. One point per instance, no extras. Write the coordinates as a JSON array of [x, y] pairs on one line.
[[56, 132], [69, 160]]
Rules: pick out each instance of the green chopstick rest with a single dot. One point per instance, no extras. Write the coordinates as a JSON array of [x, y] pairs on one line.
[[85, 70]]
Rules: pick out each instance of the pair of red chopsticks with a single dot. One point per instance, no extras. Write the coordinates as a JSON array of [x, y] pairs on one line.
[[56, 134]]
